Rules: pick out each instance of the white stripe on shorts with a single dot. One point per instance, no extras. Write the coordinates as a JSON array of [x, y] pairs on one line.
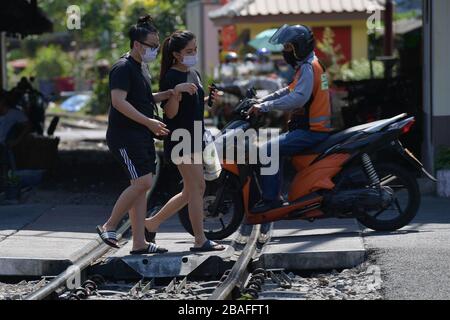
[[129, 164]]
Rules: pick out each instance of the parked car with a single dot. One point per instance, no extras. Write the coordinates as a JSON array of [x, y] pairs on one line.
[[76, 102]]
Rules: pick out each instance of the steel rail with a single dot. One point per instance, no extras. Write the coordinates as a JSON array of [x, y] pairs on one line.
[[239, 270], [75, 269]]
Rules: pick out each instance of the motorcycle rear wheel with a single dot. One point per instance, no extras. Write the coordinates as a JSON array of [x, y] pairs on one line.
[[406, 201]]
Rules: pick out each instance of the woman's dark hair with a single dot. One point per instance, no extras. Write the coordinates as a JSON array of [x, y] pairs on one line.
[[142, 29], [175, 43]]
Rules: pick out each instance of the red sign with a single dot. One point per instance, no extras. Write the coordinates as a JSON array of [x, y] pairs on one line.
[[229, 36]]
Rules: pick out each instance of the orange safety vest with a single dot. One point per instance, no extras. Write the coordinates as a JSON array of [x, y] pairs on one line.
[[316, 114]]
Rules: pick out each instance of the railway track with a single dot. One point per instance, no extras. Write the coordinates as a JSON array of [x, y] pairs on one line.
[[227, 288], [239, 273], [65, 285], [69, 276]]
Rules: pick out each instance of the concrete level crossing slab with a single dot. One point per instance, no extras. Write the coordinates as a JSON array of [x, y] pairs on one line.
[[38, 240], [179, 261], [322, 245], [44, 241], [14, 218]]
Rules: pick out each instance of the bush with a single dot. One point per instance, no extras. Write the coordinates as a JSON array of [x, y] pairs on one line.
[[443, 159], [101, 99], [360, 70], [50, 62]]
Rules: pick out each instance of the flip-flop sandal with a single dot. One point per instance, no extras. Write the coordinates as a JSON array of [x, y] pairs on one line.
[[208, 246], [108, 237], [152, 248]]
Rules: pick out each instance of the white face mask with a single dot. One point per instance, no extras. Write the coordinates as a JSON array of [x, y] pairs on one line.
[[190, 61], [150, 55]]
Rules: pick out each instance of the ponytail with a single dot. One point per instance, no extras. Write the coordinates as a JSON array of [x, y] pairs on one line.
[[167, 60]]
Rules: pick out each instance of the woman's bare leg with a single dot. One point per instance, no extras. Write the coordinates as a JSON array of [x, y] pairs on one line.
[[194, 182], [127, 201], [174, 205], [194, 188]]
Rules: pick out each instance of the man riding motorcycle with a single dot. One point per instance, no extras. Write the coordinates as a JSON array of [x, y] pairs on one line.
[[308, 100]]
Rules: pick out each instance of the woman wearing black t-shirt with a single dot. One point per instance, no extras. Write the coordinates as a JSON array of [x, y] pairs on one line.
[[183, 114], [131, 130]]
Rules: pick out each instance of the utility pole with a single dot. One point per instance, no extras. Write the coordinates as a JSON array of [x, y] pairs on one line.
[[3, 69], [388, 38]]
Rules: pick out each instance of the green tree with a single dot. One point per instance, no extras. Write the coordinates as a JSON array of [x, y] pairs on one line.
[[169, 15], [105, 26], [50, 62]]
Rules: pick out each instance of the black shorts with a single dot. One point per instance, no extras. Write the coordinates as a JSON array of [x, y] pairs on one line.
[[138, 160]]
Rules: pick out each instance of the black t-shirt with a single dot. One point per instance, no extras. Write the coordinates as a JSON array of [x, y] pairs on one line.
[[131, 76], [191, 107]]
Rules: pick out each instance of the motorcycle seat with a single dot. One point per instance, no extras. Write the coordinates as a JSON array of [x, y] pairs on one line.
[[346, 134], [330, 142]]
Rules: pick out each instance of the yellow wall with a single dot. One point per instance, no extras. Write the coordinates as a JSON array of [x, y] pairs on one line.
[[359, 32]]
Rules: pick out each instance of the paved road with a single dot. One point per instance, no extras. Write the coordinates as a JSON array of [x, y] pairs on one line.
[[415, 261]]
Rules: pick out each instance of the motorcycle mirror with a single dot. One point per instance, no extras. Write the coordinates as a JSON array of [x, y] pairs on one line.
[[251, 93]]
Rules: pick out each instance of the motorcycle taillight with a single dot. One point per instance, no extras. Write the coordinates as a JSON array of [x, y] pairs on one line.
[[407, 128]]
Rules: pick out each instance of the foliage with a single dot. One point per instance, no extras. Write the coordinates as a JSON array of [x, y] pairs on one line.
[[351, 71], [443, 159], [15, 54], [50, 62], [169, 15], [333, 54], [360, 70], [101, 99], [104, 27]]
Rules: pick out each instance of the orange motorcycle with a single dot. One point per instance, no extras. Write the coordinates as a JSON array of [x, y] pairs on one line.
[[361, 173]]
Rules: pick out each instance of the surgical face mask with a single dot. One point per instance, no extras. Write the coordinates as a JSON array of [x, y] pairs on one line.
[[150, 55], [190, 61]]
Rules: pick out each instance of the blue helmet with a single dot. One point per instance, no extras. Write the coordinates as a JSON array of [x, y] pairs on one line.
[[299, 36]]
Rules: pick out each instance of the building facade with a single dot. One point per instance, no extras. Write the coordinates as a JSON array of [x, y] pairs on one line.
[[436, 80], [347, 18]]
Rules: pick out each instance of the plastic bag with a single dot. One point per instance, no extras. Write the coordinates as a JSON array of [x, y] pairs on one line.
[[211, 162]]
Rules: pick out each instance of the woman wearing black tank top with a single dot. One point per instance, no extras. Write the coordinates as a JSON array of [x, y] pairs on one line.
[[183, 113]]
